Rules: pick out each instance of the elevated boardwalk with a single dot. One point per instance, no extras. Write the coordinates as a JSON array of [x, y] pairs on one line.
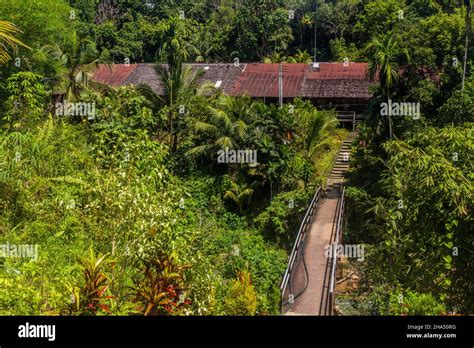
[[310, 276]]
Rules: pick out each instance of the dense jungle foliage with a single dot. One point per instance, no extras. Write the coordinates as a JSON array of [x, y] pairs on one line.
[[130, 210]]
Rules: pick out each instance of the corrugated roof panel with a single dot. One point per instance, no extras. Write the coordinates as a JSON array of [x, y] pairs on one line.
[[145, 73], [261, 80], [339, 71], [114, 75], [330, 80]]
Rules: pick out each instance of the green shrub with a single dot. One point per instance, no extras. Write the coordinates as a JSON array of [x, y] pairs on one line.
[[241, 298], [413, 303], [280, 220]]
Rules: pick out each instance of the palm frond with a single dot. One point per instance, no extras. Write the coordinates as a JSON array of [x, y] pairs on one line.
[[203, 127], [225, 142], [7, 32], [149, 94], [199, 150]]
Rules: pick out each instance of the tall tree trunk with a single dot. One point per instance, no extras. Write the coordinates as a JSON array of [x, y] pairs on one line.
[[468, 30], [175, 142], [170, 120], [170, 128], [390, 126], [389, 115]]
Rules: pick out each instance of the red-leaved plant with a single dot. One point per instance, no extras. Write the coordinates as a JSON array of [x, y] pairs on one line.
[[160, 289]]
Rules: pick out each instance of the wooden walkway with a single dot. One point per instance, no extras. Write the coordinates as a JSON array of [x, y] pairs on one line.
[[312, 301]]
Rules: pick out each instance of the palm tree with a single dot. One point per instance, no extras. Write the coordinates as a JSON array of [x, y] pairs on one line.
[[320, 124], [181, 92], [179, 84], [306, 21], [175, 47], [300, 57], [239, 194], [384, 57], [76, 64], [7, 32], [276, 57], [204, 47], [226, 126], [242, 108]]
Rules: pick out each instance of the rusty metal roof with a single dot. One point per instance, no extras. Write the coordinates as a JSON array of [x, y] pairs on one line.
[[337, 81], [337, 71], [261, 80], [115, 74], [329, 80], [145, 73]]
